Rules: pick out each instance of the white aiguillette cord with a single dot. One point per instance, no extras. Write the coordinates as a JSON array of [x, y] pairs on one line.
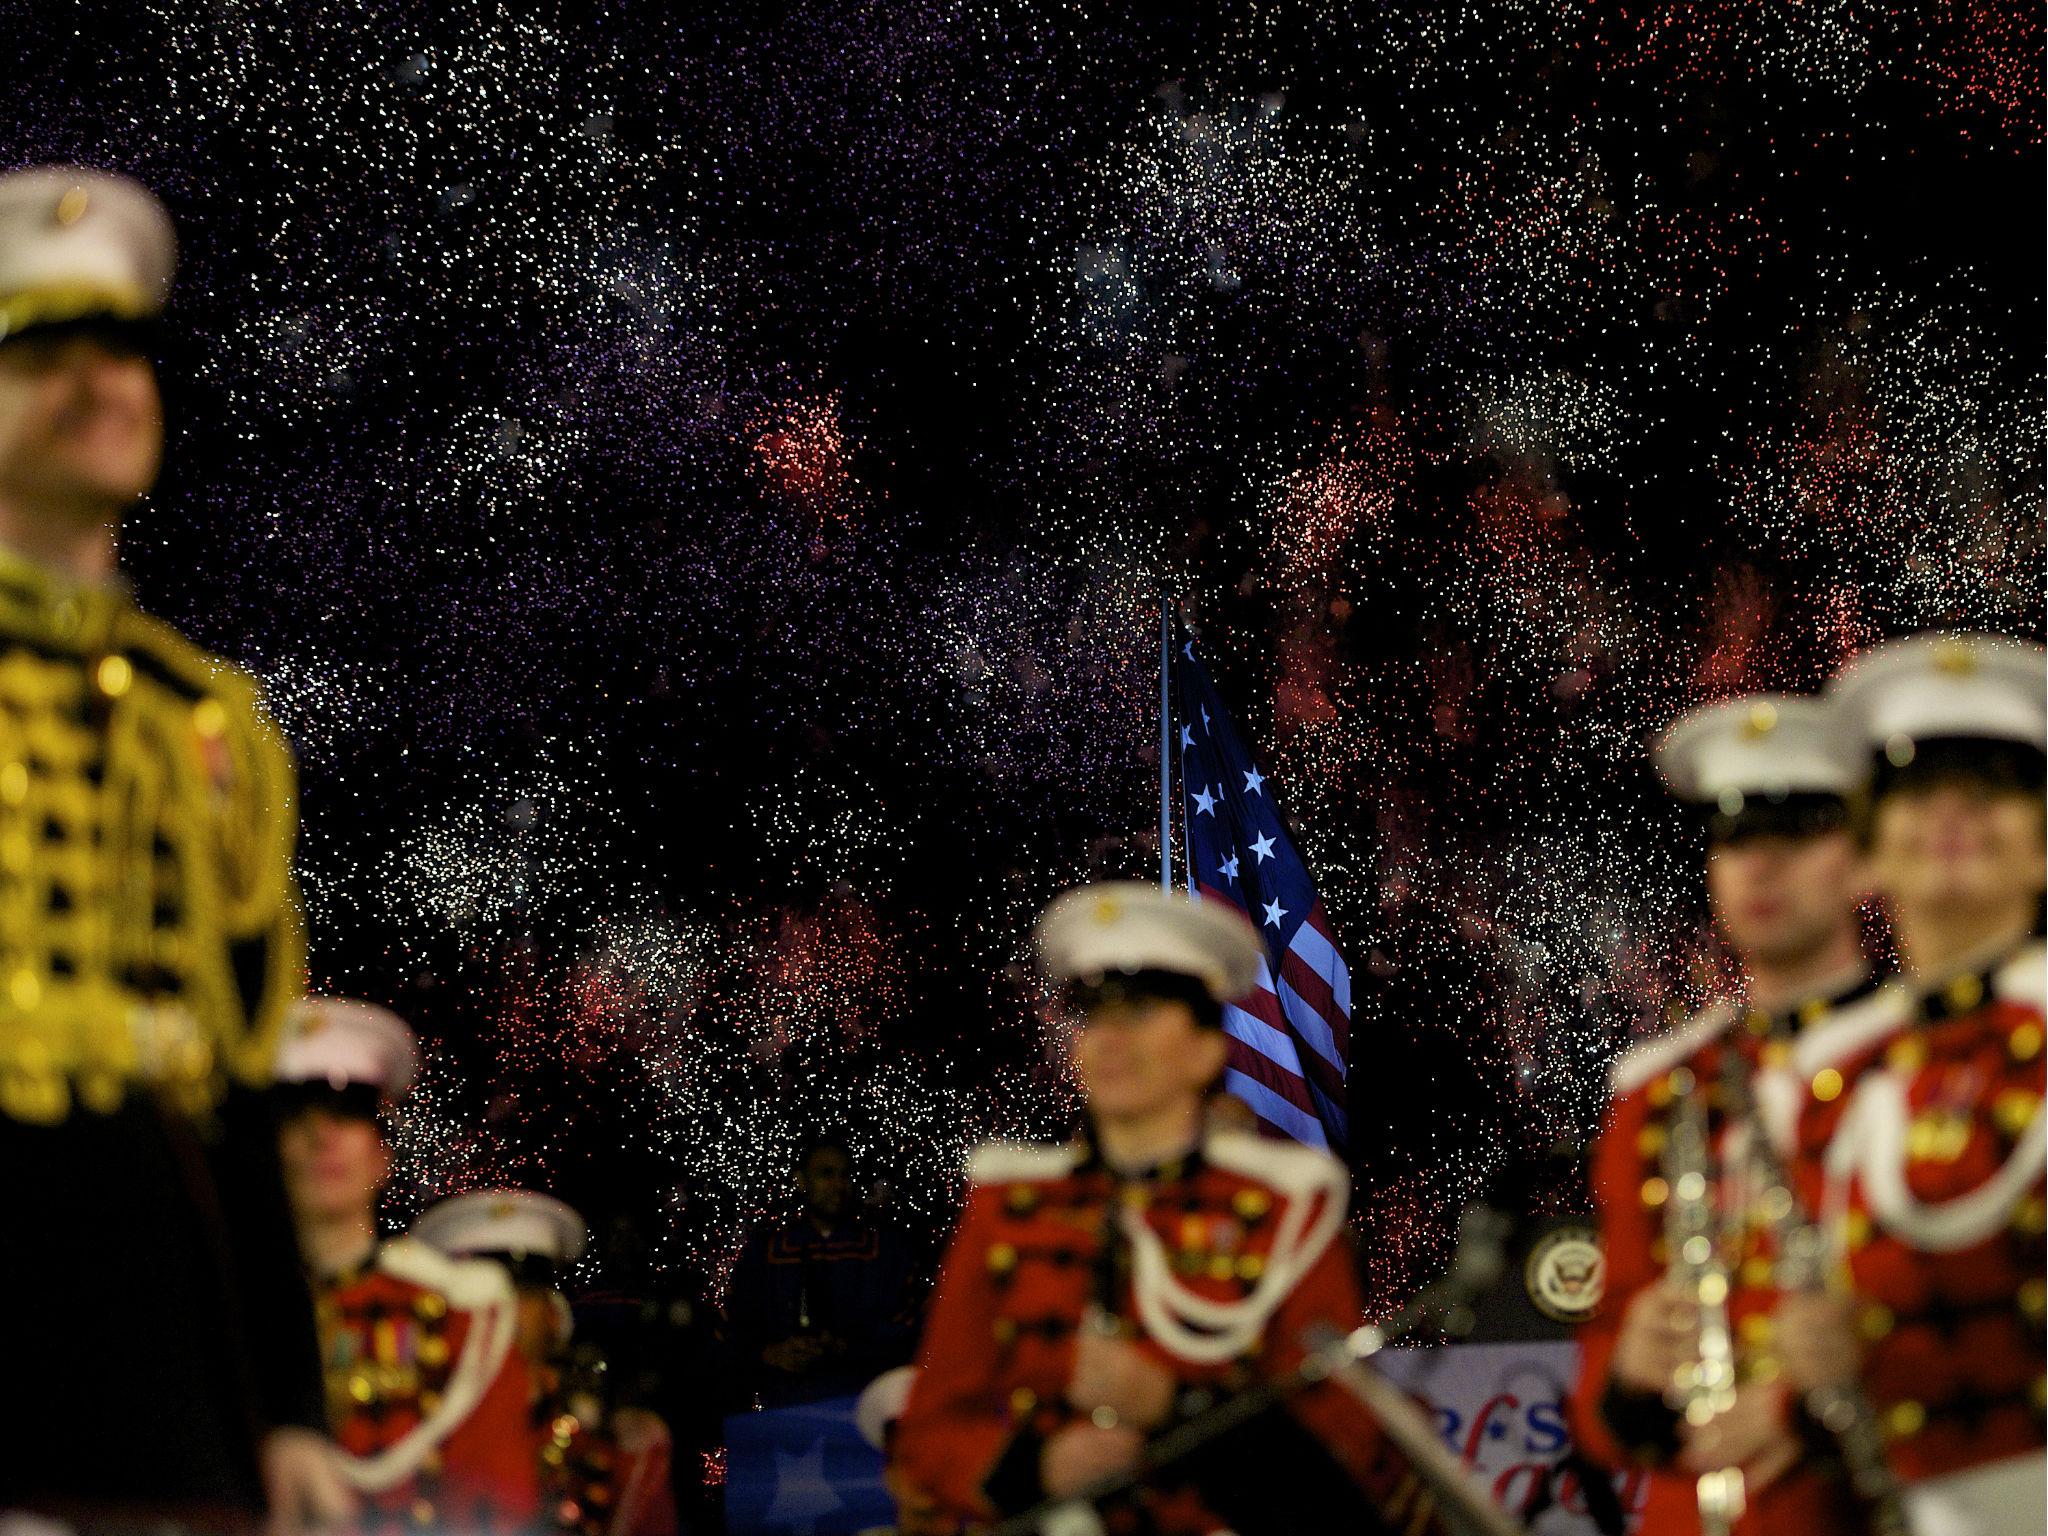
[[1204, 1331]]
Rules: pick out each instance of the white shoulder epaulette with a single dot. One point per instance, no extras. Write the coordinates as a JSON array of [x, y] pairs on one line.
[[469, 1284], [2024, 978], [1289, 1166], [1854, 1027], [1018, 1162], [1639, 1064]]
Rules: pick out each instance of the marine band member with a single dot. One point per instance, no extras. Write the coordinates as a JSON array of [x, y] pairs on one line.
[[428, 1397], [1098, 1293], [149, 940], [1919, 1111], [1770, 782]]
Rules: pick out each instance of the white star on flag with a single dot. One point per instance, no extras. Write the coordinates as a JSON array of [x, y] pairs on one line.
[[1252, 780], [1228, 868], [1205, 803], [1274, 912], [1263, 847], [1187, 738]]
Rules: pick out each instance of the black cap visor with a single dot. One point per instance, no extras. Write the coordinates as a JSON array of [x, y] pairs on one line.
[[1792, 815]]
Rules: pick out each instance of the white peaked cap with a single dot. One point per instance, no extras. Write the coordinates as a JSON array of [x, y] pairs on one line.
[[1931, 686], [342, 1040], [520, 1222], [1117, 926], [78, 244], [1766, 745], [881, 1404]]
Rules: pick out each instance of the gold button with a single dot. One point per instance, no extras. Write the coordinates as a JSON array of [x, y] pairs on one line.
[[430, 1305], [1758, 1021], [1650, 1140], [1022, 1401], [2031, 1218], [1905, 1419], [26, 988], [1004, 1330], [2034, 1297], [1251, 1204], [1021, 1198], [210, 719], [430, 1464], [422, 1512], [1655, 1191], [1757, 1271], [1856, 1229], [1812, 1012], [1827, 1084], [1250, 1266], [115, 675], [2025, 1041], [1907, 1054], [1220, 1267], [1002, 1258], [1680, 1082], [1659, 1092], [1875, 1321], [2015, 1109], [14, 782], [1757, 1328], [1964, 993], [433, 1350], [1937, 1136], [1775, 1054], [361, 1388], [1765, 1367], [430, 1404]]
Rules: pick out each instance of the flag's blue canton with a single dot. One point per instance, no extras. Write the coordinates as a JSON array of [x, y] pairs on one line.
[[1290, 1040]]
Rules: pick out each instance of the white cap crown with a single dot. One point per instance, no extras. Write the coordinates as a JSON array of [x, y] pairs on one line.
[[1128, 925], [342, 1040], [77, 244], [1765, 746]]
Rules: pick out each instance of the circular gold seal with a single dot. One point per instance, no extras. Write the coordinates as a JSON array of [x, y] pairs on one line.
[[1566, 1274]]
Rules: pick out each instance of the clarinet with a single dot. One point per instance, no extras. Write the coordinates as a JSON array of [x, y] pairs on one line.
[[1705, 1387], [1841, 1408]]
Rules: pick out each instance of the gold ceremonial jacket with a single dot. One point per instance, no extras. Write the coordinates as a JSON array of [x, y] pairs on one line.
[[149, 927]]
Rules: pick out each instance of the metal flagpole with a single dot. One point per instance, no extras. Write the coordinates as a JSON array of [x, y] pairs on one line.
[[1165, 744]]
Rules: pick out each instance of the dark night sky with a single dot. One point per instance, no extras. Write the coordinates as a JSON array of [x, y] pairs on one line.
[[697, 487]]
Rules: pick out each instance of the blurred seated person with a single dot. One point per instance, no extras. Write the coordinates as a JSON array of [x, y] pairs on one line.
[[820, 1304], [605, 1465]]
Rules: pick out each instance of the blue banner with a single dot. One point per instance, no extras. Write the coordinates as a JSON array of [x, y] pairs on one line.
[[803, 1471]]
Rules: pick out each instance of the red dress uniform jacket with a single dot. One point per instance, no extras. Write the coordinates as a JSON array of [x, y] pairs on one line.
[[1253, 1225], [1920, 1119], [428, 1399], [1621, 1429]]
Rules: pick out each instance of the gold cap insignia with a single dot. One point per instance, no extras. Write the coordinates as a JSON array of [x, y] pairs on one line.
[[1955, 658], [1761, 720], [71, 206]]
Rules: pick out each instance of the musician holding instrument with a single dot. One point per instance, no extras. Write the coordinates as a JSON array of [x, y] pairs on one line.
[[1919, 1110], [1684, 1374], [1100, 1294]]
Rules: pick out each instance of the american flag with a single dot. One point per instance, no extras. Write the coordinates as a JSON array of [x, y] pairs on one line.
[[1290, 1041]]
